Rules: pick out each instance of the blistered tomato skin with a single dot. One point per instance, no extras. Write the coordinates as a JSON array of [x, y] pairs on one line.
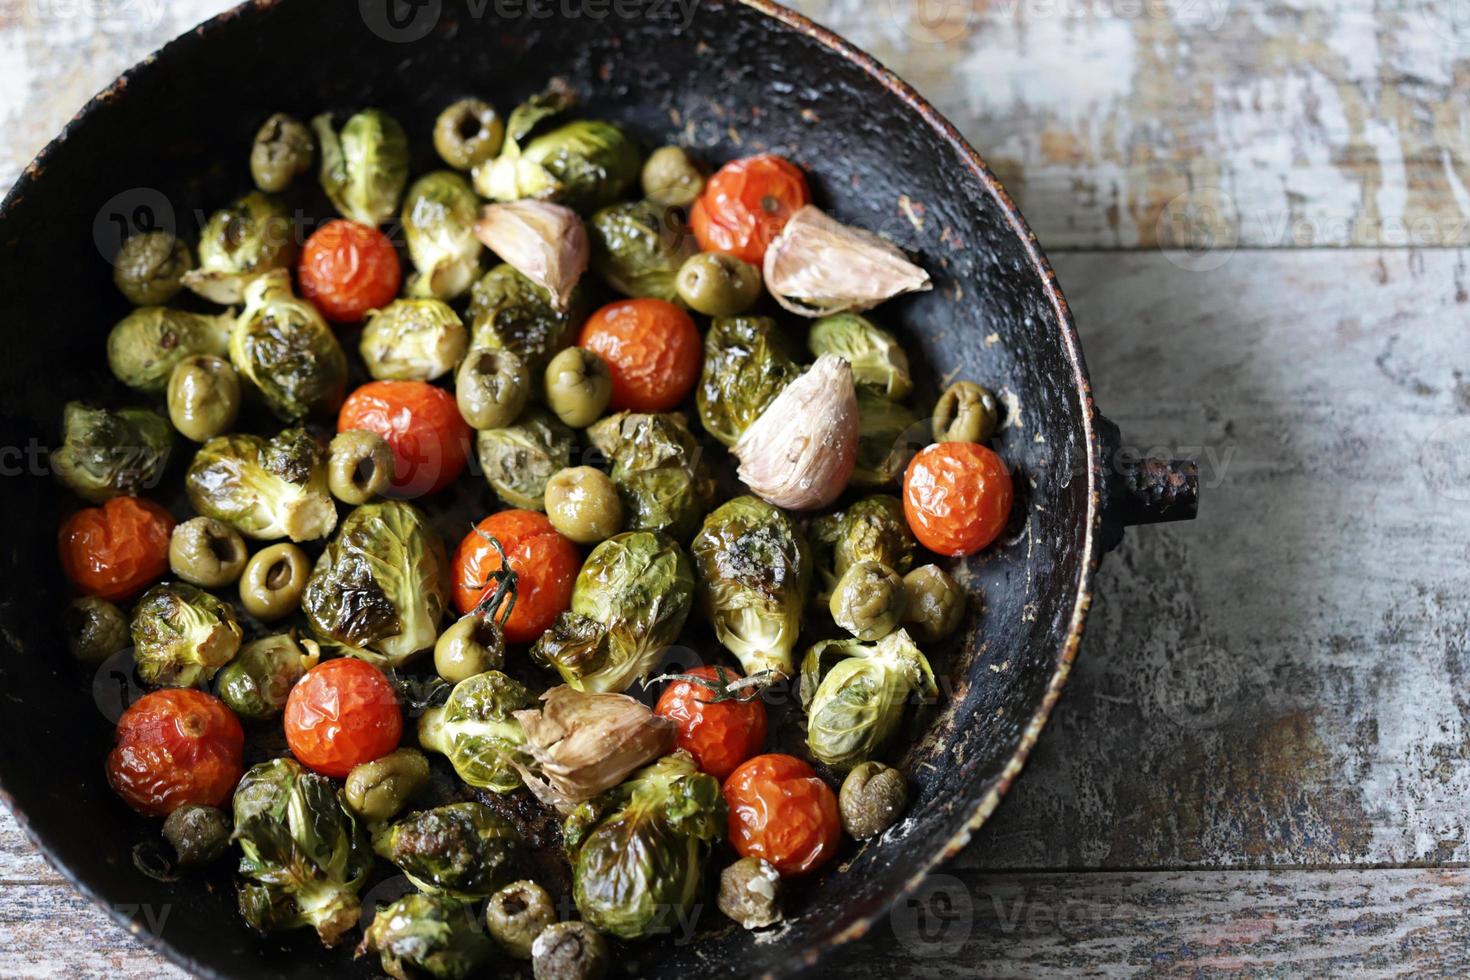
[[347, 269], [652, 349], [957, 497], [421, 424], [782, 811], [174, 747], [342, 713], [546, 566], [116, 550], [746, 204], [720, 736]]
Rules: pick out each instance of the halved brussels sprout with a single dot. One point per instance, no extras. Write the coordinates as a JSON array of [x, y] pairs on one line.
[[428, 935], [463, 850], [659, 471], [365, 167], [182, 635], [872, 529], [507, 311], [241, 243], [381, 586], [519, 459], [888, 436], [107, 454], [257, 682], [282, 346], [145, 346], [877, 359], [747, 363], [628, 605], [439, 217], [639, 247], [413, 340], [476, 728], [264, 489], [638, 850], [854, 704], [754, 575]]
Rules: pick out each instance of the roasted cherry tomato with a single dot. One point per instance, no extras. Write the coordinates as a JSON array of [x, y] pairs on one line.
[[343, 713], [422, 424], [746, 204], [957, 497], [652, 349], [720, 734], [347, 269], [546, 566], [176, 746], [781, 810], [115, 550]]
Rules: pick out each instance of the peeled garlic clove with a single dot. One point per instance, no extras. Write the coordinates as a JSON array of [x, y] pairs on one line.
[[818, 266], [802, 449], [544, 242]]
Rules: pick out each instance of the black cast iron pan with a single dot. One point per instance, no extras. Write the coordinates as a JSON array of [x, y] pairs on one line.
[[166, 143]]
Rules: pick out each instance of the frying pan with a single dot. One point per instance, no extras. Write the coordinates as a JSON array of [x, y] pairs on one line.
[[166, 142]]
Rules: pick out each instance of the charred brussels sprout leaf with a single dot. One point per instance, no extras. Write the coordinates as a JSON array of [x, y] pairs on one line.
[[428, 935], [854, 704], [878, 361], [660, 476], [241, 243], [476, 728], [439, 217], [413, 340], [145, 346], [365, 167], [107, 454], [380, 588], [519, 459], [463, 850], [182, 635], [265, 489], [628, 605], [746, 365], [507, 311], [638, 247], [888, 436], [638, 850], [257, 682], [754, 575], [304, 857], [282, 346]]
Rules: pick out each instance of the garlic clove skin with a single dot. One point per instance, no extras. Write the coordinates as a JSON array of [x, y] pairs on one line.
[[801, 451], [818, 266], [547, 243]]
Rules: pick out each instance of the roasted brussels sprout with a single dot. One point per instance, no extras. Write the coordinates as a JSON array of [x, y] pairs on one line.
[[149, 268], [145, 346], [304, 856], [638, 248], [750, 893], [658, 468], [359, 466], [377, 790], [257, 682], [491, 387], [463, 850], [717, 284], [872, 529], [746, 365], [872, 799], [583, 504], [106, 454], [868, 601], [381, 586], [241, 243], [670, 177], [283, 150], [476, 728], [265, 489], [935, 603], [427, 935], [569, 951], [628, 605], [95, 629], [273, 581], [206, 552], [878, 361], [888, 437], [516, 914], [413, 340], [182, 635], [507, 311], [578, 386], [518, 459], [365, 167], [473, 645], [754, 574], [198, 834], [439, 217], [283, 347], [966, 412], [638, 850], [203, 397], [854, 704], [467, 133]]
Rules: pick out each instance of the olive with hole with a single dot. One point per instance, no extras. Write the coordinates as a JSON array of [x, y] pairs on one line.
[[199, 834], [517, 914], [578, 387], [95, 629], [203, 397], [473, 645], [582, 503], [377, 790], [872, 798], [934, 602], [491, 388], [359, 466], [273, 582], [206, 552], [717, 284], [282, 151], [569, 951], [966, 412], [671, 177], [149, 268], [467, 133]]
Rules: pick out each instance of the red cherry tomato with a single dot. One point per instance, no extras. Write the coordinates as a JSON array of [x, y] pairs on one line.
[[343, 713], [746, 204], [422, 424], [115, 550], [347, 269], [957, 497], [176, 746], [652, 349], [781, 810], [546, 566], [719, 735]]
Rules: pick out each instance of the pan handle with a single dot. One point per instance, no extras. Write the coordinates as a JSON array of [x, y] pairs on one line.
[[1140, 490]]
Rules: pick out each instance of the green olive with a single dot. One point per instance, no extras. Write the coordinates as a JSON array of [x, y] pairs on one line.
[[283, 149], [473, 645], [203, 397], [750, 893], [199, 834], [583, 504], [517, 914], [95, 629], [935, 602], [578, 387], [872, 798], [273, 582], [868, 600], [377, 790], [717, 284], [206, 552], [467, 133], [671, 177], [966, 412], [491, 387], [569, 951], [149, 268], [359, 466]]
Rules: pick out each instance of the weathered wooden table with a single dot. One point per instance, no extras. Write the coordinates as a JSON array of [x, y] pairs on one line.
[[1259, 210]]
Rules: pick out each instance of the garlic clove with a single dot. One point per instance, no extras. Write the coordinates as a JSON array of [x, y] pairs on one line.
[[802, 449], [818, 266], [546, 243]]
